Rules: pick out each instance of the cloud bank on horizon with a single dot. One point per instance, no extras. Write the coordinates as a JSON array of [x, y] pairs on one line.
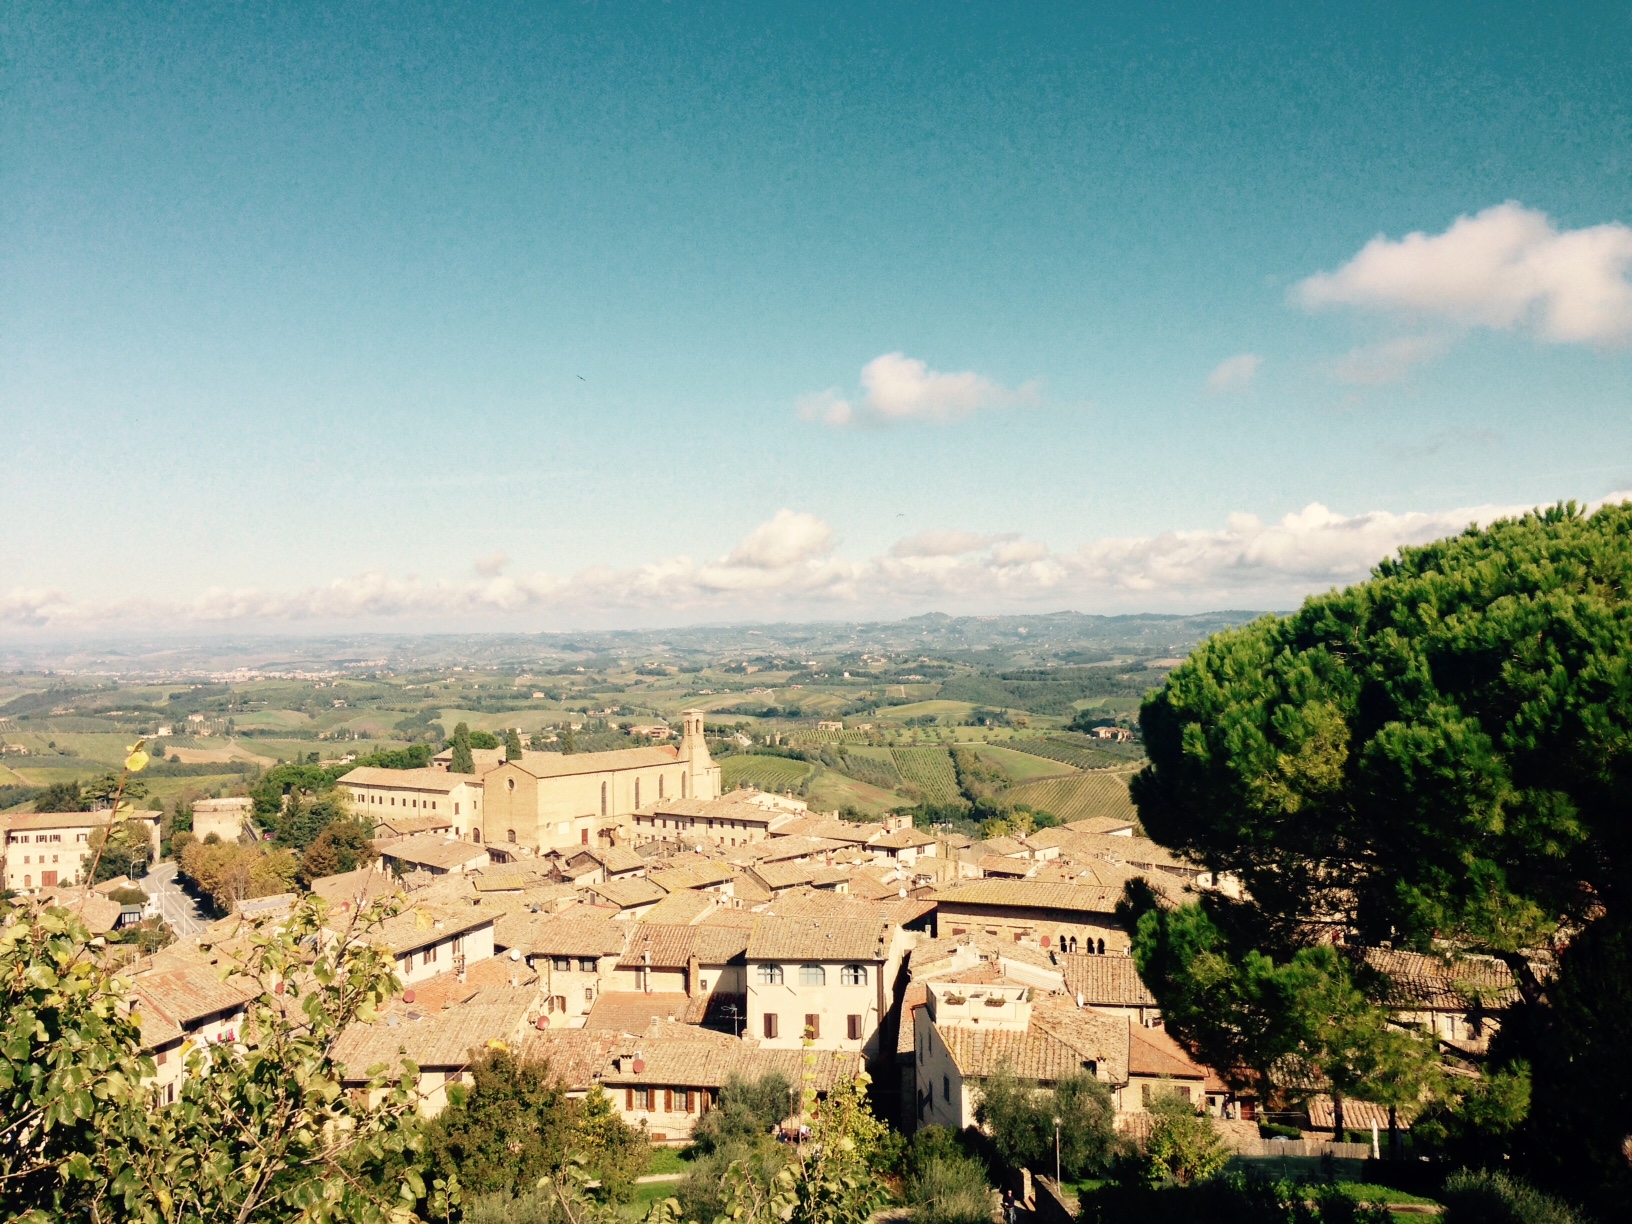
[[789, 565]]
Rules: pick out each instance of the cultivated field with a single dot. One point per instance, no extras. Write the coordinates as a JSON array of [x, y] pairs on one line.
[[1079, 796], [833, 791], [1066, 752], [922, 709], [930, 770], [1022, 766], [766, 772]]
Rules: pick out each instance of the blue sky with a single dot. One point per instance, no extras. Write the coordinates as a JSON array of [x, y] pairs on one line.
[[551, 316]]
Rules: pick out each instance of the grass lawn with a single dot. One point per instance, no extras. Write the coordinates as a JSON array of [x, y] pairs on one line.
[[668, 1160], [1371, 1192], [1022, 766]]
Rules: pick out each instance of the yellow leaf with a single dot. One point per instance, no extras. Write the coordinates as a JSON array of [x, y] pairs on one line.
[[136, 761], [493, 1043], [422, 920]]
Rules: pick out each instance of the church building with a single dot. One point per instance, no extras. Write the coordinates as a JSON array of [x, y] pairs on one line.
[[551, 800]]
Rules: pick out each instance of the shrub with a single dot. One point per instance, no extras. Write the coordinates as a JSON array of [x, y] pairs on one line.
[[1183, 1147], [1020, 1115], [746, 1110], [949, 1190], [1494, 1198]]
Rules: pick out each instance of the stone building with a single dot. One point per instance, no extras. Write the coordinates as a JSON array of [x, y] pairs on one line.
[[550, 800]]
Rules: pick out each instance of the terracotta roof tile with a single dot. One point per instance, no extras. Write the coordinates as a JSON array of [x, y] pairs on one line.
[[560, 765], [1000, 865], [683, 906], [1105, 981], [447, 1039], [671, 947], [431, 781], [1030, 894], [701, 874], [408, 932], [1057, 1043], [573, 936], [629, 893], [431, 849], [825, 939], [188, 994], [1444, 984], [631, 1011]]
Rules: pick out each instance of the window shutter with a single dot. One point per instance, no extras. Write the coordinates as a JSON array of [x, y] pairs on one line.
[[629, 1099], [668, 1100], [813, 1026], [855, 1028], [770, 1024]]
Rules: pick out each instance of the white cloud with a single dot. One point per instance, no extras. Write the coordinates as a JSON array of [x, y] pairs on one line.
[[1234, 373], [829, 407], [945, 543], [1374, 365], [787, 567], [1505, 268], [492, 565], [787, 539], [896, 388]]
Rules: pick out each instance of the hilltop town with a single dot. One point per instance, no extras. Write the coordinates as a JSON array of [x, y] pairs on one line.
[[626, 917]]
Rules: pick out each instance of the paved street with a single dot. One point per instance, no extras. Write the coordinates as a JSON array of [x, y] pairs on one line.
[[176, 907]]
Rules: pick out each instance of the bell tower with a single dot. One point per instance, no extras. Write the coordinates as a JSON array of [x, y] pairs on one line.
[[703, 776]]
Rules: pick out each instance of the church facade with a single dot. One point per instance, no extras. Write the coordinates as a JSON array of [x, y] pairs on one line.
[[552, 801]]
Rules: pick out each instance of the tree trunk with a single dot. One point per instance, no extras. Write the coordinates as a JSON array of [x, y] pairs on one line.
[[1393, 1132], [1337, 1117], [1530, 987]]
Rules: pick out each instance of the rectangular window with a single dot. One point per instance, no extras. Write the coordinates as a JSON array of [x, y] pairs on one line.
[[813, 1026], [586, 964], [770, 1025], [852, 1026], [561, 964]]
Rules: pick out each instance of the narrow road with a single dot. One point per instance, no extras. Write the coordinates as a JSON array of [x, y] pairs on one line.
[[178, 909]]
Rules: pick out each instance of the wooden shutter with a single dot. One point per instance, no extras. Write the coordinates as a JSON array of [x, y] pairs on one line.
[[668, 1100], [629, 1099], [813, 1026]]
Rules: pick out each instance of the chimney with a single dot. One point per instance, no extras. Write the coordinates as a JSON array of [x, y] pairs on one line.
[[693, 968]]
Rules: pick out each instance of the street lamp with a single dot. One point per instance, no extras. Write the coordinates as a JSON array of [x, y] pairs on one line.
[[1056, 1152]]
